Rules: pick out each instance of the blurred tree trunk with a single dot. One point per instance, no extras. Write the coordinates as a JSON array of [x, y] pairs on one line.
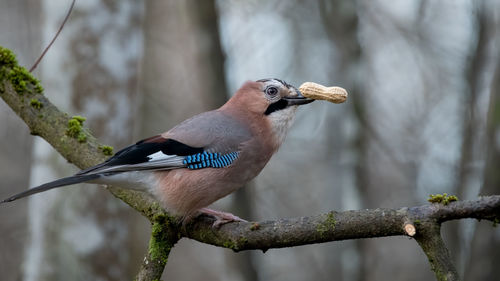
[[183, 64], [341, 22], [475, 67], [485, 254], [183, 75], [19, 30], [82, 233], [378, 173], [474, 71]]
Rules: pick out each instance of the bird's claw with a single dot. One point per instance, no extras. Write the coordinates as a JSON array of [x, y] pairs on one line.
[[221, 218]]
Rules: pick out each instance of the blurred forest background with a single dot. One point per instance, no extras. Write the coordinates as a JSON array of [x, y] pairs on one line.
[[423, 116]]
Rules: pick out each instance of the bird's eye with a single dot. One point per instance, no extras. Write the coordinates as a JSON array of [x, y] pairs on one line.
[[272, 91]]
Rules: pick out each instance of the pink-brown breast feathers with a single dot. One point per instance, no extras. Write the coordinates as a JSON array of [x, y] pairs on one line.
[[184, 191]]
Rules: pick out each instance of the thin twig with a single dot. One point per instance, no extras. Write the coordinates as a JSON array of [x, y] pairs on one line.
[[55, 37]]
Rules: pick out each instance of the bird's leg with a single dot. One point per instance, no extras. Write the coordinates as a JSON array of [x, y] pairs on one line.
[[221, 217]]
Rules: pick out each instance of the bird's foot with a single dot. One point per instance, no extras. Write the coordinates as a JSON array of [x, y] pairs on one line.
[[221, 217]]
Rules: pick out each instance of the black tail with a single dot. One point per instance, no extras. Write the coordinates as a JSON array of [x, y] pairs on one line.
[[50, 185]]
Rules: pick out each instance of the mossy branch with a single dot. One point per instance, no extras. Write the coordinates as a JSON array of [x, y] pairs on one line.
[[164, 235], [335, 226], [66, 134], [23, 93]]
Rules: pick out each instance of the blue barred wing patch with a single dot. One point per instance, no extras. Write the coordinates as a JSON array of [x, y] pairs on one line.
[[209, 159]]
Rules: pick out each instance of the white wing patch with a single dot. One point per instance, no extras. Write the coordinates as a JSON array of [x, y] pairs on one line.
[[158, 156]]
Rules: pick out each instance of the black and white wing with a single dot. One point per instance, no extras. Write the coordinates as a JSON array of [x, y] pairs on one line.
[[208, 140], [211, 139], [155, 153]]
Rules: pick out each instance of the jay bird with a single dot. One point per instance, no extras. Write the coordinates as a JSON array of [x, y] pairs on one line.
[[205, 157]]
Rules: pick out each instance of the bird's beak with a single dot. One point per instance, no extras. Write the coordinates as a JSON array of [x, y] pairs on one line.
[[297, 98]]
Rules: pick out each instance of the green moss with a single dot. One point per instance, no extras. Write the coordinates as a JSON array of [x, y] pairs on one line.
[[106, 149], [75, 128], [7, 58], [38, 87], [496, 221], [79, 118], [327, 225], [235, 245], [417, 222], [159, 246], [229, 244], [242, 240], [82, 137], [440, 276], [36, 103], [255, 226], [7, 61], [19, 76], [444, 198]]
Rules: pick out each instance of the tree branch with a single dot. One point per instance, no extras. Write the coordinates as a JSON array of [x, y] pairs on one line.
[[335, 226], [163, 239], [23, 94], [432, 244]]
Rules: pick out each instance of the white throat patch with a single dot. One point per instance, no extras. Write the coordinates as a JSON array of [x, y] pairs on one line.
[[281, 121]]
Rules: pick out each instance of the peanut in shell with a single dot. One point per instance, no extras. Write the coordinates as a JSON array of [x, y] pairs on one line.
[[319, 92]]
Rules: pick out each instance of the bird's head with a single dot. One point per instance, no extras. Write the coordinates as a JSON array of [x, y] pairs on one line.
[[272, 99], [269, 97], [282, 97]]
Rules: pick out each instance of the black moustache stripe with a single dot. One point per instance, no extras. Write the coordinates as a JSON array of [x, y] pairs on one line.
[[279, 105]]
